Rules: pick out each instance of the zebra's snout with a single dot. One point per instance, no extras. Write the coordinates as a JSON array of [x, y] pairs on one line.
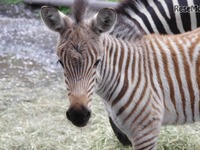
[[78, 116]]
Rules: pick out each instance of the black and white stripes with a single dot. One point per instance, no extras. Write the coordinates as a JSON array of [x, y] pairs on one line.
[[162, 16]]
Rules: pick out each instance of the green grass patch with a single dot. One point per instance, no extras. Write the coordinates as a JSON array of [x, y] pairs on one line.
[[11, 1], [113, 0], [64, 10]]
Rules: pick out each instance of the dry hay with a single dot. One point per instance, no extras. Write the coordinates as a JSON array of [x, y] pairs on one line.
[[41, 124]]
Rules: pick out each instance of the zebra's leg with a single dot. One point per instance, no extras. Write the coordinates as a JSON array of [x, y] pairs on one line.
[[119, 134], [146, 135]]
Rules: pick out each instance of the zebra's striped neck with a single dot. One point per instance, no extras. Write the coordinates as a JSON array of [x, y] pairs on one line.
[[119, 67]]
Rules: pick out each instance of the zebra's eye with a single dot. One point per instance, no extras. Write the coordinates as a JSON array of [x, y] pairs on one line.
[[96, 63], [60, 62]]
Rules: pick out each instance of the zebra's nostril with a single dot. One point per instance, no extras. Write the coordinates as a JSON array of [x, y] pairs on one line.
[[68, 115], [88, 114]]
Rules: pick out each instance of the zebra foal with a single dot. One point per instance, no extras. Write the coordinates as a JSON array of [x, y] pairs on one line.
[[146, 82]]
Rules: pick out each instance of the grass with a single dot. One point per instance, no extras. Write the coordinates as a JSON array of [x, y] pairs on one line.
[[11, 1], [33, 118], [64, 10], [41, 124], [113, 0]]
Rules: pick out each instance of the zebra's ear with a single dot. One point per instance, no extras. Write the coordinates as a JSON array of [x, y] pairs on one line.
[[54, 19], [104, 20]]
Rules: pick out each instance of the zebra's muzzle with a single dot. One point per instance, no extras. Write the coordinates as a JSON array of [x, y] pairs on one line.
[[78, 116]]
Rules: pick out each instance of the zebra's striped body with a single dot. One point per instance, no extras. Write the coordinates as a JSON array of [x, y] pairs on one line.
[[146, 82], [163, 67], [162, 16], [151, 81], [140, 17]]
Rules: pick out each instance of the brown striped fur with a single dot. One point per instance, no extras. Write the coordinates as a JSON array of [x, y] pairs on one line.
[[145, 83]]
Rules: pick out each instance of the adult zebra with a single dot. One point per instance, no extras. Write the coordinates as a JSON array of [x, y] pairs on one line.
[[146, 82], [162, 16]]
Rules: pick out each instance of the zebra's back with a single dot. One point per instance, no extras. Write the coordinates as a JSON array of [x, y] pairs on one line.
[[166, 17]]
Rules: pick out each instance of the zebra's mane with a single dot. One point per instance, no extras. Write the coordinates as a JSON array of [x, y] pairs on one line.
[[79, 10], [126, 29], [126, 26]]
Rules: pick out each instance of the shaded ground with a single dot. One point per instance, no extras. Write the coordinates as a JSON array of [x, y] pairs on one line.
[[19, 10], [27, 57]]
